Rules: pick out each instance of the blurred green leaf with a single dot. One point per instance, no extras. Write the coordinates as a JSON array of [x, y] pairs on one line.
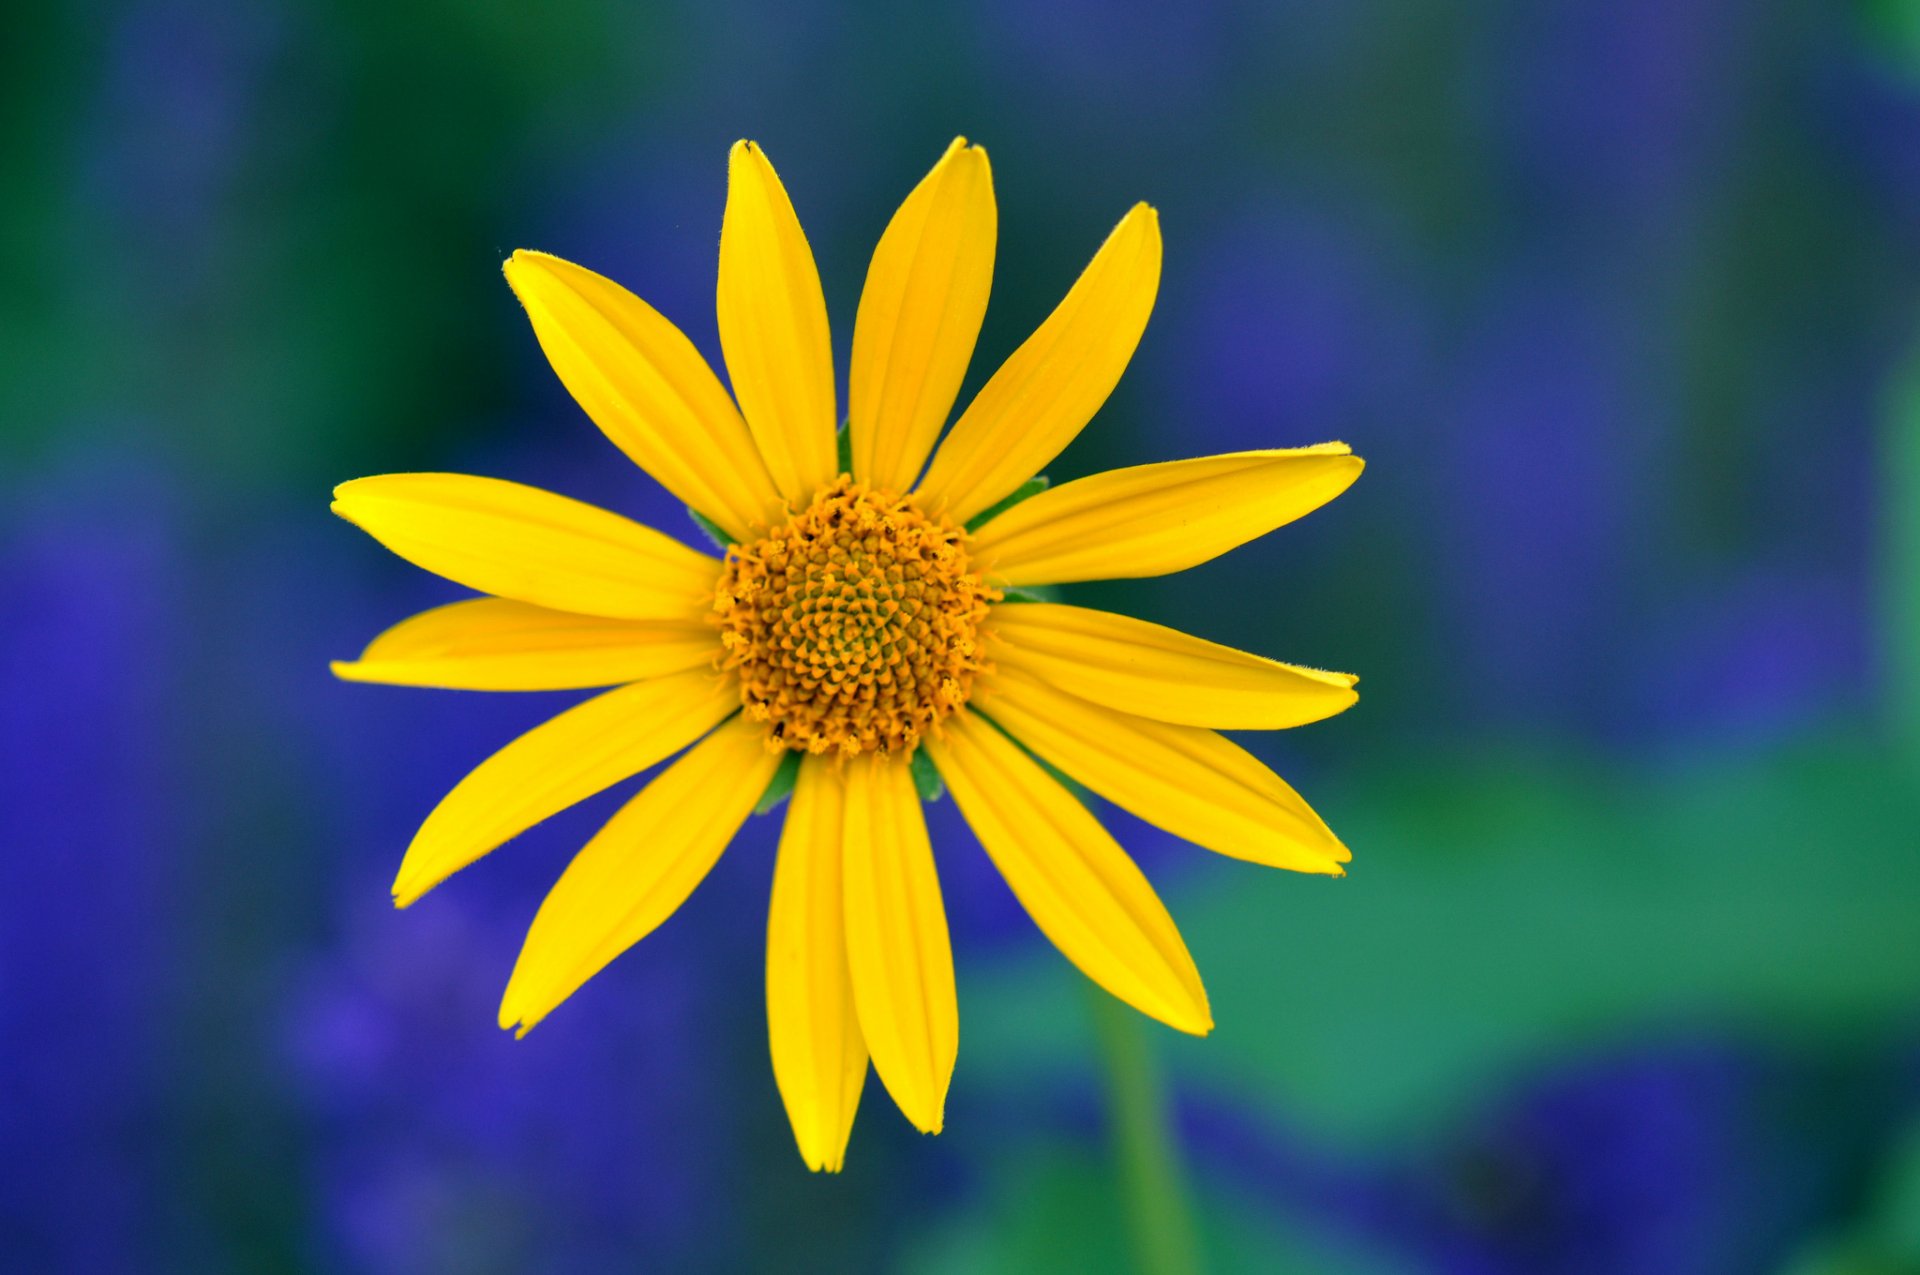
[[1894, 25], [1497, 913], [1900, 460], [1886, 1240], [1052, 1206]]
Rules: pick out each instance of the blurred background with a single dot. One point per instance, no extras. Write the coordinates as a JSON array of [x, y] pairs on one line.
[[1618, 299]]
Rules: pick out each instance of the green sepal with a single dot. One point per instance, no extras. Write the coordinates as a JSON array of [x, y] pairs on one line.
[[714, 532], [843, 447], [1025, 491], [780, 787], [1032, 593], [926, 776]]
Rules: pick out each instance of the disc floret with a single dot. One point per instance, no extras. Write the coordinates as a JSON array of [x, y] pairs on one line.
[[854, 626]]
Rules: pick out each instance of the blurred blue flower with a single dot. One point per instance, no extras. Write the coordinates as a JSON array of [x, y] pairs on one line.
[[1613, 117], [1689, 1156], [1286, 322], [436, 1140], [174, 122], [90, 925], [1688, 1159], [439, 1143]]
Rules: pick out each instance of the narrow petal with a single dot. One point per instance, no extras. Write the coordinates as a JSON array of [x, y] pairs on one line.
[[1153, 671], [638, 869], [493, 644], [773, 328], [819, 1055], [645, 385], [524, 543], [590, 747], [1074, 880], [897, 941], [919, 316], [1043, 395], [1192, 782], [1151, 520]]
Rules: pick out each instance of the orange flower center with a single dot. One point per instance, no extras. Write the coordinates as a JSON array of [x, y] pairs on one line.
[[854, 625]]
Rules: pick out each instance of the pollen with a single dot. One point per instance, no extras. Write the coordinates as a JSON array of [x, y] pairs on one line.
[[855, 625]]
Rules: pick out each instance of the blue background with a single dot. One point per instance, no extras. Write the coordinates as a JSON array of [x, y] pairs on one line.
[[1619, 301]]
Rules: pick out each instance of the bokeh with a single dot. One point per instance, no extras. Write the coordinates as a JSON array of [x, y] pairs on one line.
[[1620, 300]]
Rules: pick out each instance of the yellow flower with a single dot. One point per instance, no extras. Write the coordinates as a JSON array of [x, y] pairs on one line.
[[861, 624]]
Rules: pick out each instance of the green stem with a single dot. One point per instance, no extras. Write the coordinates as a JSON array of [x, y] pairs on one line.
[[1153, 1184]]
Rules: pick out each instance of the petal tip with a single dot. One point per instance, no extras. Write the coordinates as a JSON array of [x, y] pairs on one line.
[[346, 496], [522, 260], [831, 1163], [408, 887], [1195, 1017], [977, 156], [514, 1016], [1188, 1020]]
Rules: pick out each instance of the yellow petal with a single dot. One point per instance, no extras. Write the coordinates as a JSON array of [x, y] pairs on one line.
[[819, 1055], [897, 940], [1192, 782], [773, 328], [493, 644], [1074, 880], [1050, 388], [1150, 520], [645, 385], [524, 543], [919, 316], [590, 747], [639, 868], [1153, 671]]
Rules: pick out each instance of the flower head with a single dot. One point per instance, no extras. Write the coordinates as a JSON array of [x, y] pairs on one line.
[[854, 626], [873, 613]]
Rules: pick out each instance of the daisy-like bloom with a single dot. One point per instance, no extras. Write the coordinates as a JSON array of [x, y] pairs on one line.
[[869, 635]]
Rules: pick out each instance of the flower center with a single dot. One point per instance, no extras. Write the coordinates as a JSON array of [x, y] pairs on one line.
[[854, 625]]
